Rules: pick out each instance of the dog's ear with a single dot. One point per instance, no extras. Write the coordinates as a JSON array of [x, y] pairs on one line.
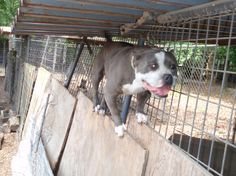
[[136, 56], [170, 50], [138, 52]]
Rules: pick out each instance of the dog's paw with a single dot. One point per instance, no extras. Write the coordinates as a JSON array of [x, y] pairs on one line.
[[102, 112], [96, 108], [119, 130], [141, 118], [99, 110]]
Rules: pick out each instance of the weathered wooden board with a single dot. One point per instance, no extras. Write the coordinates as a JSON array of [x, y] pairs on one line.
[[31, 158], [164, 159], [41, 85], [94, 149], [58, 115]]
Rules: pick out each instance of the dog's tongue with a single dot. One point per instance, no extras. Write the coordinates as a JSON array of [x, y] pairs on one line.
[[161, 91]]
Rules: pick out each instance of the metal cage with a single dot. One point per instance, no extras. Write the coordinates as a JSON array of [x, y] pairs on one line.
[[198, 116]]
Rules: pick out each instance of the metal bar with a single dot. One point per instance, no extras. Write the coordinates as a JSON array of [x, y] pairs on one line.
[[20, 83], [27, 49], [90, 9], [181, 135], [226, 146], [54, 56], [162, 101], [133, 4], [4, 56], [181, 86], [172, 97], [198, 94], [68, 80], [228, 129], [187, 104], [127, 99], [221, 90], [45, 51], [209, 89], [199, 11], [20, 49], [234, 131], [125, 108]]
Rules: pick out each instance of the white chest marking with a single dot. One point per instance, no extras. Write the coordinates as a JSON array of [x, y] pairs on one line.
[[135, 87]]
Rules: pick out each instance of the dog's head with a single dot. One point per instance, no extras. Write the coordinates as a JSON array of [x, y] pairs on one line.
[[157, 69]]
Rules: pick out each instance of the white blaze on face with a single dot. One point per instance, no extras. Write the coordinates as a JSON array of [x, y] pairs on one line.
[[135, 87], [154, 78]]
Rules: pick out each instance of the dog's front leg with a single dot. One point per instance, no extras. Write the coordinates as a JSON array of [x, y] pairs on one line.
[[141, 101], [102, 108], [112, 105]]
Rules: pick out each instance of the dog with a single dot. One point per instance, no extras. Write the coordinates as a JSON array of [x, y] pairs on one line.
[[131, 70]]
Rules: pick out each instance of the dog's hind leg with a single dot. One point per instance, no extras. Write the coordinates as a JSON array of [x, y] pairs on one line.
[[97, 75], [141, 101], [111, 98]]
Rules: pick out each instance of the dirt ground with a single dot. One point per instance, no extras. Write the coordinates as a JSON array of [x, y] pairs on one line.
[[9, 149], [10, 142]]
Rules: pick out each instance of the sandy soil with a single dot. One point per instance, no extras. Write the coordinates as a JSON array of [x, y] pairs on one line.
[[9, 149], [10, 143]]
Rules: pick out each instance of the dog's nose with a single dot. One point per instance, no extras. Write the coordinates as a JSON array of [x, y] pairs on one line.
[[168, 79]]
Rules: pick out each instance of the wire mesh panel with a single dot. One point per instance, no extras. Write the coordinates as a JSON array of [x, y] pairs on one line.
[[29, 78], [3, 52], [199, 114]]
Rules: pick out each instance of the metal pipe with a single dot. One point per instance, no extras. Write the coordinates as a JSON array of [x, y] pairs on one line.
[[27, 49], [68, 80], [212, 8], [4, 56], [127, 98], [125, 108]]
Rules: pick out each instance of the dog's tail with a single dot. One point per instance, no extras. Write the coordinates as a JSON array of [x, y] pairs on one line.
[[108, 37]]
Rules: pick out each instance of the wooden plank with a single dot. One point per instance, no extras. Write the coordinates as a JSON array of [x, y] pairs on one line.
[[164, 159], [31, 158], [59, 112], [42, 83], [94, 149]]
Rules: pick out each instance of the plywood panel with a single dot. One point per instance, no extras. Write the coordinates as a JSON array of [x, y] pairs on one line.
[[58, 115], [41, 85], [164, 159], [94, 149]]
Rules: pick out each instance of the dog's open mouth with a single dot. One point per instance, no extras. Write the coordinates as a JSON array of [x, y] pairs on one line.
[[159, 91]]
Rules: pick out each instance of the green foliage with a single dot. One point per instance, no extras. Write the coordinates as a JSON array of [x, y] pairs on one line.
[[222, 55], [8, 9], [189, 51]]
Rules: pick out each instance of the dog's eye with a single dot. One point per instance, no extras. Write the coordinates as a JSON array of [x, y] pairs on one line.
[[172, 67], [153, 66]]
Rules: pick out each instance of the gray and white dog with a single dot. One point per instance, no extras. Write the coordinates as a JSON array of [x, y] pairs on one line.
[[132, 70]]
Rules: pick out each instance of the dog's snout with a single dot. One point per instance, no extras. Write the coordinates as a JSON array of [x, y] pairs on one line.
[[168, 79]]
